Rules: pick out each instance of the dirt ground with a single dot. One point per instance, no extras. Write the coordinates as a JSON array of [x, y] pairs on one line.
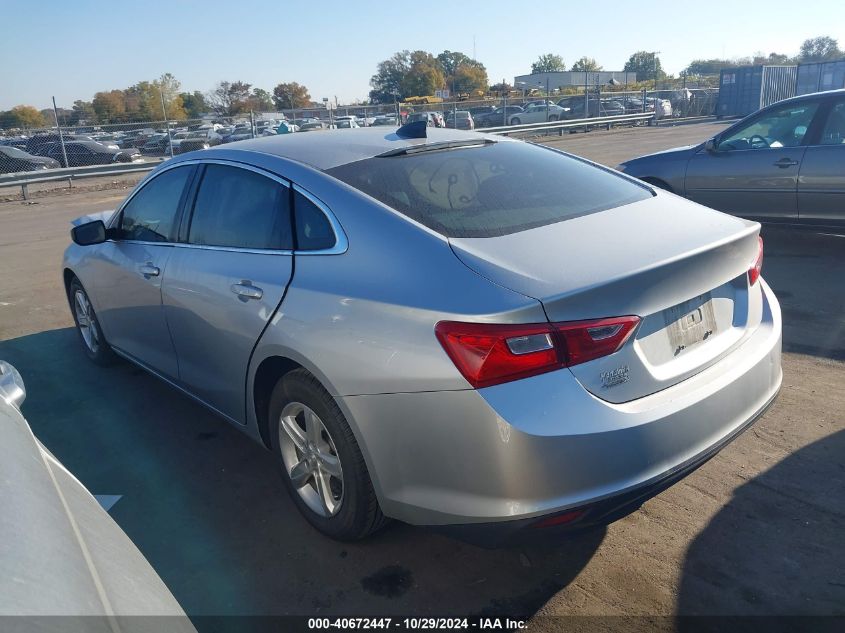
[[756, 530]]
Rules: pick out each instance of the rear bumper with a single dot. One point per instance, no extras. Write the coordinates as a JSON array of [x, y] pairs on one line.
[[514, 453]]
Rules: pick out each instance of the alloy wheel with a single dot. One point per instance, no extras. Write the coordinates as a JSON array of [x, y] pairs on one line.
[[311, 459], [86, 321]]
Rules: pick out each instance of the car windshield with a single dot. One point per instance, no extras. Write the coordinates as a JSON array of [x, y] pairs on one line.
[[197, 135], [490, 190]]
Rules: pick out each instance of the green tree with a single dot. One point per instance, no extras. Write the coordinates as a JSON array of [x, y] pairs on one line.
[[109, 106], [25, 116], [704, 67], [586, 64], [450, 62], [229, 98], [387, 82], [424, 75], [646, 65], [290, 96], [818, 49], [166, 88], [461, 72], [468, 79], [548, 63], [82, 111], [194, 104], [774, 59], [260, 100]]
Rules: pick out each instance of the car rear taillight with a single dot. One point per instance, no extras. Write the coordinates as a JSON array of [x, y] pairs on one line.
[[490, 354], [757, 266]]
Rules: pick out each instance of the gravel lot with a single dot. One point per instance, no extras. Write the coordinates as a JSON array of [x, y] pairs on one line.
[[756, 530]]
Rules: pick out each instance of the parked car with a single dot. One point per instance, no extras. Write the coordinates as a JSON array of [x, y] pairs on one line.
[[239, 134], [40, 144], [13, 160], [463, 118], [346, 123], [752, 168], [386, 119], [176, 141], [200, 139], [576, 108], [568, 349], [496, 117], [537, 113], [135, 138], [156, 144], [428, 117], [312, 125], [83, 153], [51, 521]]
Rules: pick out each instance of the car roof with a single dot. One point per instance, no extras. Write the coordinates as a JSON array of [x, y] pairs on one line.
[[339, 147]]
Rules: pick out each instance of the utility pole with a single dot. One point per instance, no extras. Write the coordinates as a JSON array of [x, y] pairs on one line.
[[547, 98], [166, 124], [504, 103], [59, 128]]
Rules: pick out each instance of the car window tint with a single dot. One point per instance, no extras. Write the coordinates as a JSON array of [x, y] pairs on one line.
[[313, 231], [781, 127], [834, 129], [240, 208], [491, 190], [150, 215]]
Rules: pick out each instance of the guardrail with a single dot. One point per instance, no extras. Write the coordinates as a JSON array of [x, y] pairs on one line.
[[23, 179], [564, 124]]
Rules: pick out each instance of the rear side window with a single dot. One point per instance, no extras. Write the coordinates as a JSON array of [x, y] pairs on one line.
[[150, 216], [313, 231], [240, 208], [490, 190]]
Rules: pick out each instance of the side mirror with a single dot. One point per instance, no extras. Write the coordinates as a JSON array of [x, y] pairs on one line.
[[89, 233], [710, 145]]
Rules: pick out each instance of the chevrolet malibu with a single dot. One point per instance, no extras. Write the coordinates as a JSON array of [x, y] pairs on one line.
[[445, 328]]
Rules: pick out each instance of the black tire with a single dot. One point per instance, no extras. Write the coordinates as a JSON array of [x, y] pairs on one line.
[[359, 514], [552, 117], [100, 352], [515, 121]]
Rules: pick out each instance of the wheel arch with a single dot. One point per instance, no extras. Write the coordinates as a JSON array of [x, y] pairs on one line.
[[268, 371], [658, 182]]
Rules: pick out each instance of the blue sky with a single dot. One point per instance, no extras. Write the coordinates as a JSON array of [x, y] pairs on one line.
[[72, 49]]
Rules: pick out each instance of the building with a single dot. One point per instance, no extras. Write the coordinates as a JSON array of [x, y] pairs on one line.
[[568, 79]]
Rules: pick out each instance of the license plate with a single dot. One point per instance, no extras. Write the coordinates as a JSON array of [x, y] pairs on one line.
[[690, 323]]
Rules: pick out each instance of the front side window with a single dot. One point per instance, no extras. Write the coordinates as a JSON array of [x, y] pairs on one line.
[[242, 209], [782, 127], [834, 129], [150, 216], [490, 190]]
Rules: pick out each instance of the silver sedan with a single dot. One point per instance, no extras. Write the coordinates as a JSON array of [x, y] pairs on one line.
[[445, 328]]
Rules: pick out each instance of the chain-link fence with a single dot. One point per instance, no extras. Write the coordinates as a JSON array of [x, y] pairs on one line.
[[54, 147]]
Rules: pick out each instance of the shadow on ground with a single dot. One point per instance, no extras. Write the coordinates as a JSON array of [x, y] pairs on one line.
[[805, 271], [206, 506], [783, 551]]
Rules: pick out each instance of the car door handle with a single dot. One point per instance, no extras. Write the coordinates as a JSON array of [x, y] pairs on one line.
[[148, 270], [786, 162], [245, 290]]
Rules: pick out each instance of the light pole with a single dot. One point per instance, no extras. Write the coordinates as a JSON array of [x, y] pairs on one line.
[[547, 98], [504, 102]]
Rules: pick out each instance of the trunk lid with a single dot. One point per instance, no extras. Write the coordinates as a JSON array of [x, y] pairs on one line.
[[681, 267]]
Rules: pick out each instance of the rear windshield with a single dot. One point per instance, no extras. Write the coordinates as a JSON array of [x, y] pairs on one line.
[[489, 190]]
